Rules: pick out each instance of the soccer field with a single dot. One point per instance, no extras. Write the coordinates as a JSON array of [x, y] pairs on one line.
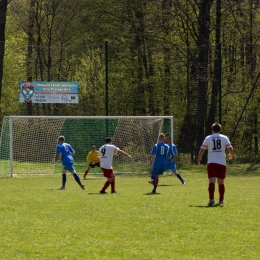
[[40, 222]]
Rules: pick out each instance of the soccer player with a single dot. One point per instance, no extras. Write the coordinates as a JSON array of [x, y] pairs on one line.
[[65, 152], [216, 144], [158, 161], [106, 153], [173, 154], [92, 160]]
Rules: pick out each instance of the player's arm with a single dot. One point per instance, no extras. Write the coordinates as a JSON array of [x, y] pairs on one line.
[[174, 158], [230, 153], [124, 153], [88, 158], [152, 159], [60, 156], [72, 151], [201, 153], [97, 157]]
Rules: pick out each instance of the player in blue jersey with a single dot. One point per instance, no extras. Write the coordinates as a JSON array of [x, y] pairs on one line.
[[159, 160], [65, 152], [173, 154]]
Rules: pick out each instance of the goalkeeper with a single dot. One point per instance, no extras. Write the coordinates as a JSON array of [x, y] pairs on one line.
[[92, 160]]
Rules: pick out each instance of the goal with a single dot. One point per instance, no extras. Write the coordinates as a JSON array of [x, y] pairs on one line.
[[28, 143]]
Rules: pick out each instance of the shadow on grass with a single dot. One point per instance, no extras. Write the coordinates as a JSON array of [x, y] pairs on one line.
[[92, 178], [103, 194], [206, 206], [247, 169], [150, 193]]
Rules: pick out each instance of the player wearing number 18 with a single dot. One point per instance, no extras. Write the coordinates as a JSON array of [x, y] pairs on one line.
[[216, 144], [105, 154]]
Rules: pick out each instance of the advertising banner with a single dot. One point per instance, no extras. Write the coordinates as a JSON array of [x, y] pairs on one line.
[[49, 92]]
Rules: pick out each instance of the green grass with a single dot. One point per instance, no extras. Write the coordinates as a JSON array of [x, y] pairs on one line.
[[40, 222]]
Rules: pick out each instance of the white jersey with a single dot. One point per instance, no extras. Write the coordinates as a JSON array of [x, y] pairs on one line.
[[216, 145], [106, 153]]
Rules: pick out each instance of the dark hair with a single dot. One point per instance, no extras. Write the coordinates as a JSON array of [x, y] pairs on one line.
[[93, 146], [108, 140], [216, 127]]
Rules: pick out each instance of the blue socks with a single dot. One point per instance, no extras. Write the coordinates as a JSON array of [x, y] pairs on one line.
[[77, 179], [180, 178], [64, 179]]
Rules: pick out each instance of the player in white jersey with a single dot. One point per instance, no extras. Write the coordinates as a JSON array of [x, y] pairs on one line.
[[106, 154], [216, 144]]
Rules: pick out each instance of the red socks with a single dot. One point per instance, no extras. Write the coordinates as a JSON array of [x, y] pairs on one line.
[[211, 190], [221, 189], [86, 173], [113, 185], [106, 185], [156, 181]]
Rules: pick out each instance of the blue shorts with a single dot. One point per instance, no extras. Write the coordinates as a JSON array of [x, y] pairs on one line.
[[172, 167], [158, 170], [69, 167]]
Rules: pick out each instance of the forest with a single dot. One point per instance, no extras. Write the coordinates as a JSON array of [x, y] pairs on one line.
[[197, 60]]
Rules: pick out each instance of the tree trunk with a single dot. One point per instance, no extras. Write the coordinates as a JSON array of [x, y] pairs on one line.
[[203, 45], [166, 17], [3, 8], [217, 72]]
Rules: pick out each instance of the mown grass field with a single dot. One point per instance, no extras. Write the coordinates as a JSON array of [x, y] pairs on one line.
[[37, 221]]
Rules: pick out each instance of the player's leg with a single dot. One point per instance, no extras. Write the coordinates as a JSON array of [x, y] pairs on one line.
[[91, 165], [156, 172], [86, 172], [113, 184], [212, 176], [221, 190], [63, 179], [177, 174], [76, 177], [152, 179], [155, 183], [221, 187], [109, 174]]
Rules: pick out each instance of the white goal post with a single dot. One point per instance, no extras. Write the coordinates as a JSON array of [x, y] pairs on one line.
[[28, 143]]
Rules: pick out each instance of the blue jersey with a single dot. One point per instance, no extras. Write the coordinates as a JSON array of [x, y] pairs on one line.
[[66, 151], [161, 152], [172, 151]]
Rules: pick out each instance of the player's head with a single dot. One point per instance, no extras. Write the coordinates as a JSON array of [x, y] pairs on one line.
[[168, 140], [61, 139], [161, 138], [216, 128], [93, 148], [108, 140]]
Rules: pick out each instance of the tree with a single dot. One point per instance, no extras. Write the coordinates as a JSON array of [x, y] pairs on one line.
[[217, 73], [3, 9], [203, 56]]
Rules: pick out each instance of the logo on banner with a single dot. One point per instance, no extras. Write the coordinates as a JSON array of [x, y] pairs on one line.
[[27, 90]]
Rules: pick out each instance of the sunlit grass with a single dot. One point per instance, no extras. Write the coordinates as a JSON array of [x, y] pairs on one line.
[[40, 222]]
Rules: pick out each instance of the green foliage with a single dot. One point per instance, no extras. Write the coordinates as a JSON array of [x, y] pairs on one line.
[[40, 222], [154, 66]]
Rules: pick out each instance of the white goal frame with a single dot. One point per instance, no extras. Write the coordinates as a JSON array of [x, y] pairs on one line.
[[73, 117]]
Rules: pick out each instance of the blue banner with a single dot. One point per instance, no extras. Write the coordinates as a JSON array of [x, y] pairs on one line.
[[49, 92]]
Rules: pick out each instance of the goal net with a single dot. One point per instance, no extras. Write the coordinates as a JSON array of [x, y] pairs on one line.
[[28, 143]]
